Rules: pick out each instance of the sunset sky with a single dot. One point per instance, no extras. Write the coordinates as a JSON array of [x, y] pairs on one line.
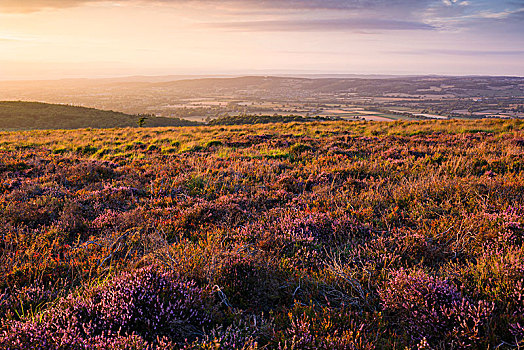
[[41, 39]]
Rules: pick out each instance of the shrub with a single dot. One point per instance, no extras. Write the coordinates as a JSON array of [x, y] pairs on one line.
[[299, 148], [213, 143], [432, 310]]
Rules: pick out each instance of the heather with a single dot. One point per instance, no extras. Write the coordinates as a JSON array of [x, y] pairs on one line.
[[317, 235]]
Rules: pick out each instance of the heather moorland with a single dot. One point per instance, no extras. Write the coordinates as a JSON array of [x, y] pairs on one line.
[[321, 235]]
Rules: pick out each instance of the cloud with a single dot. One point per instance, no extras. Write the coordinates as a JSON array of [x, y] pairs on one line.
[[455, 2], [339, 24], [6, 38], [314, 15], [37, 5], [408, 5], [455, 52], [323, 4], [24, 6]]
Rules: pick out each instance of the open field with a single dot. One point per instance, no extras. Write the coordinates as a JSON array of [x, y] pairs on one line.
[[322, 235]]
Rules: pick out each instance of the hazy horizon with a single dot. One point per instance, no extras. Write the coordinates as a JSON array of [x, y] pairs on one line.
[[56, 39], [176, 77]]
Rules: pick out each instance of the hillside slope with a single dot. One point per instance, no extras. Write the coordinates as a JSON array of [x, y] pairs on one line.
[[17, 115]]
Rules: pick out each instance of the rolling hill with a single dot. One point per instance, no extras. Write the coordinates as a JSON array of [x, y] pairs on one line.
[[19, 115]]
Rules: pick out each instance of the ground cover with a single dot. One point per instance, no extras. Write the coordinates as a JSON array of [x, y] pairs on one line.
[[321, 235]]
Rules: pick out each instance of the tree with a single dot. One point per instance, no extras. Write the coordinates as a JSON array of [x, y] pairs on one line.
[[141, 121]]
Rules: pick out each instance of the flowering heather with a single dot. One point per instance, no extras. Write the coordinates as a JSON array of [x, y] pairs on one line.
[[432, 310], [136, 307], [323, 235]]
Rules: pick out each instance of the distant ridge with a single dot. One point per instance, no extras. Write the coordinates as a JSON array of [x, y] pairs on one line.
[[21, 115]]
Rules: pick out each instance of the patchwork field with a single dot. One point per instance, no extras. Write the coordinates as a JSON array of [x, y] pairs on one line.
[[323, 235]]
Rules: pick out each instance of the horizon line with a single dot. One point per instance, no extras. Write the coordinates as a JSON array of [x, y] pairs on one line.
[[312, 75]]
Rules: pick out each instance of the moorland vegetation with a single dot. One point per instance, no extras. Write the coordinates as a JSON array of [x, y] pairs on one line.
[[322, 235]]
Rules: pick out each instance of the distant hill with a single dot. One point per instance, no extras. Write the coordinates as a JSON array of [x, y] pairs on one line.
[[278, 87], [264, 119], [19, 115]]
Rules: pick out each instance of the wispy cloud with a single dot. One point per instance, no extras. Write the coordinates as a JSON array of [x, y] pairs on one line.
[[455, 2], [488, 14], [35, 5], [456, 52], [321, 15], [318, 25], [16, 38], [24, 6]]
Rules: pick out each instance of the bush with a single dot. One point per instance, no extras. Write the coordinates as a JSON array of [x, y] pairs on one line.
[[433, 311]]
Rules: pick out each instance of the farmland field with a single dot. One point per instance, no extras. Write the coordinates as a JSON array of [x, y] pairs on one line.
[[322, 235]]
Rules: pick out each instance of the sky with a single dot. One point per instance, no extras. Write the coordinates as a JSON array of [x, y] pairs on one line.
[[51, 39]]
